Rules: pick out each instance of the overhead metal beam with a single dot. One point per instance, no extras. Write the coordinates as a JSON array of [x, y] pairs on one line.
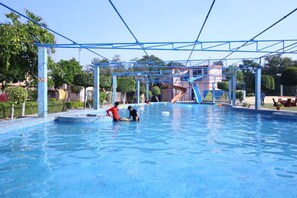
[[288, 46]]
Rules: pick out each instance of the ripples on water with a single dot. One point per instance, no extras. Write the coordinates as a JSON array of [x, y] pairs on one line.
[[196, 151]]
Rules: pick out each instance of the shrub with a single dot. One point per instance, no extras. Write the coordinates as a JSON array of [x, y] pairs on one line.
[[74, 105], [31, 108], [103, 97], [56, 106], [239, 96], [32, 95], [16, 95], [223, 85], [156, 90], [3, 97]]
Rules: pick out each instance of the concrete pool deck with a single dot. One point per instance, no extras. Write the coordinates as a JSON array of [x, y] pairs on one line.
[[32, 120]]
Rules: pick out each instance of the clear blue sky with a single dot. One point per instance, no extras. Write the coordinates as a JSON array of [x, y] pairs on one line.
[[95, 21]]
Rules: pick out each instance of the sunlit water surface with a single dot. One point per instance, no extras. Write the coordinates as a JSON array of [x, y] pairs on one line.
[[196, 151]]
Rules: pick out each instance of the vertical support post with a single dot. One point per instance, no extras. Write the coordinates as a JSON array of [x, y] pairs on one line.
[[114, 88], [138, 91], [213, 93], [281, 90], [96, 87], [42, 82], [234, 89], [258, 88], [147, 89], [230, 92]]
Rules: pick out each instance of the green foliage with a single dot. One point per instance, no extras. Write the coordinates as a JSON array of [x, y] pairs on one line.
[[56, 106], [239, 76], [103, 97], [156, 90], [223, 85], [239, 96], [32, 95], [272, 83], [142, 89], [126, 84], [265, 81], [76, 89], [16, 95], [64, 71], [31, 108], [74, 105], [83, 79], [105, 82], [18, 52], [289, 76], [50, 83]]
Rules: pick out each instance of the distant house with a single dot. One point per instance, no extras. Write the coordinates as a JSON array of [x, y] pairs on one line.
[[205, 76]]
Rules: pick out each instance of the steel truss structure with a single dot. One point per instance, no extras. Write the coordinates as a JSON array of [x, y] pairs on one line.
[[288, 46]]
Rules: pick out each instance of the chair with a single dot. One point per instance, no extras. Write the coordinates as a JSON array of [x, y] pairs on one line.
[[288, 103], [293, 102], [274, 103]]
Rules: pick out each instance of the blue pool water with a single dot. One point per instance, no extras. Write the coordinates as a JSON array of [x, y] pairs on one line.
[[195, 151]]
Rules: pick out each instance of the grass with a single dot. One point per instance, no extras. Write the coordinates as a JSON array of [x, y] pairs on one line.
[[270, 106]]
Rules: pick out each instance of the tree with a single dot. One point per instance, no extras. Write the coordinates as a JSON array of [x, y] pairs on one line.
[[156, 91], [17, 95], [85, 80], [104, 70], [18, 51], [105, 82], [125, 85], [289, 78], [267, 82], [224, 85], [64, 71], [275, 65]]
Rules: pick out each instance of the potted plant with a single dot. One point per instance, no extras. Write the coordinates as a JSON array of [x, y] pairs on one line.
[[278, 105]]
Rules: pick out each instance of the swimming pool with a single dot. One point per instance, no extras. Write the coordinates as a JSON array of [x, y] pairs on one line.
[[195, 151]]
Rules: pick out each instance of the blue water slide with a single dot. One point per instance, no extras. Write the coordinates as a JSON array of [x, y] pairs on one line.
[[198, 96], [197, 93]]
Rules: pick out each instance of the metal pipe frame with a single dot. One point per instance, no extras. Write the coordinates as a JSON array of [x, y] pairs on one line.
[[250, 46]]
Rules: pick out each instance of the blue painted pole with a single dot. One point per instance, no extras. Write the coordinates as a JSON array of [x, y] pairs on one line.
[[234, 90], [147, 89], [258, 88], [114, 89], [213, 93], [42, 82], [138, 91], [230, 92], [96, 87]]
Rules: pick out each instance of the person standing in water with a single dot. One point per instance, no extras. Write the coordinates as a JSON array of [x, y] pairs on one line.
[[115, 113], [133, 114]]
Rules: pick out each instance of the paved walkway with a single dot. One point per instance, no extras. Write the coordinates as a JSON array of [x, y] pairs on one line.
[[267, 100]]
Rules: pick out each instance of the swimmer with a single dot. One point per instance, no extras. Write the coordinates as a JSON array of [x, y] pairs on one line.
[[133, 114], [115, 113]]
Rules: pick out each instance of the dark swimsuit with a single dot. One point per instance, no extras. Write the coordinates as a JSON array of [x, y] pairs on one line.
[[133, 113]]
